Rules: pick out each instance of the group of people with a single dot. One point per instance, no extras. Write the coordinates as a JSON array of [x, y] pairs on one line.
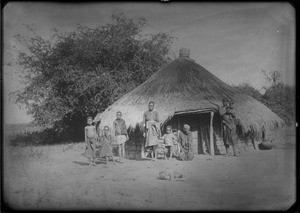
[[171, 144], [105, 142]]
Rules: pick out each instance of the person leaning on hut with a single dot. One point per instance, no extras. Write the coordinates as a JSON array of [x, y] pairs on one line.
[[228, 125], [185, 140], [120, 131], [152, 128]]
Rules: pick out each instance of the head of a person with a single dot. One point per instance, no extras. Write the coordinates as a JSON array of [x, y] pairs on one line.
[[228, 109], [231, 102], [151, 105], [186, 128], [90, 120], [169, 129], [225, 101], [119, 115], [106, 130]]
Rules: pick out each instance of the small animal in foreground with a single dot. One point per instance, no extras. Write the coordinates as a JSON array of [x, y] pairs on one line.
[[167, 175]]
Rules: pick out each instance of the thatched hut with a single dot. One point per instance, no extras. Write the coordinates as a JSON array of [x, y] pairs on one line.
[[184, 92]]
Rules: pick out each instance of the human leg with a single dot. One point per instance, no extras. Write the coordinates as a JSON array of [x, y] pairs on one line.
[[113, 158], [153, 153], [169, 152], [120, 152], [234, 153], [165, 152], [123, 151], [253, 143]]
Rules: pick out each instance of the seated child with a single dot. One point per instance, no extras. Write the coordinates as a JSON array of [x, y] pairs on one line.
[[169, 139], [90, 141], [106, 145], [161, 149]]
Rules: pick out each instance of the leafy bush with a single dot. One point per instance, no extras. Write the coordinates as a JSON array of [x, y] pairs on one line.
[[249, 90], [80, 73], [279, 97]]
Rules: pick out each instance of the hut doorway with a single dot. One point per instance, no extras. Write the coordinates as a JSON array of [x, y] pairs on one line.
[[200, 128]]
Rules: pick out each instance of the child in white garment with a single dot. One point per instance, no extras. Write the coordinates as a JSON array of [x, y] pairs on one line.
[[169, 140]]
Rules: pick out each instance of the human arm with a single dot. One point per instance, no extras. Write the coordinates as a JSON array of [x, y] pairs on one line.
[[156, 117], [174, 139], [180, 141], [162, 137], [113, 133], [144, 120], [232, 114], [144, 124], [125, 129], [221, 110], [85, 136]]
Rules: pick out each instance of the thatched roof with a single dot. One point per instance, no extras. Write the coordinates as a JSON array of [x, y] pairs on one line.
[[184, 85]]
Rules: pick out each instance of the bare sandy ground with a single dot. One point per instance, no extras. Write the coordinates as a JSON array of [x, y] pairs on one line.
[[59, 177]]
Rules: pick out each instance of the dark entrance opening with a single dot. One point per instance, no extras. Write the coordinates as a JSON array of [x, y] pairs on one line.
[[200, 128]]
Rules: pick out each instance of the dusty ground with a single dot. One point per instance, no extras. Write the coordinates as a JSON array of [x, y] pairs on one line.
[[58, 177]]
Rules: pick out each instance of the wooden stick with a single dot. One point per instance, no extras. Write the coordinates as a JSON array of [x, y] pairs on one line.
[[211, 135]]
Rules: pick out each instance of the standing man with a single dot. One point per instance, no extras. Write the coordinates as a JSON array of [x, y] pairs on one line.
[[185, 140], [152, 129]]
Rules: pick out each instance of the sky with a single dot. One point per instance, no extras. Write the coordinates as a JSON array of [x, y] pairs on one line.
[[234, 41]]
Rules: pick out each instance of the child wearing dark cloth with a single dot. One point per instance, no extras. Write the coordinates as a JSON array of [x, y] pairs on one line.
[[230, 136], [106, 145], [90, 141]]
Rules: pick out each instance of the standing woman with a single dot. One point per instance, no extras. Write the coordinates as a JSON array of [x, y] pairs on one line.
[[152, 128]]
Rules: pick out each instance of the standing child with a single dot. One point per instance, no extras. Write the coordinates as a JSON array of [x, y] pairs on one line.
[[90, 140], [120, 132], [106, 144], [169, 139], [175, 148]]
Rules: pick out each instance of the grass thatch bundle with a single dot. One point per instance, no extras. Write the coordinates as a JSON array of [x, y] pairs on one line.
[[184, 85]]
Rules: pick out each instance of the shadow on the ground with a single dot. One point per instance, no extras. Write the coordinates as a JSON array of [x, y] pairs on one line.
[[87, 163], [81, 163], [141, 159]]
